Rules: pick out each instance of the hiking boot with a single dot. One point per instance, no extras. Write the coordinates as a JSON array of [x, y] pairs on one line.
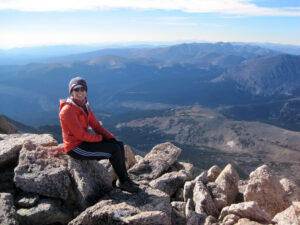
[[128, 185], [132, 182]]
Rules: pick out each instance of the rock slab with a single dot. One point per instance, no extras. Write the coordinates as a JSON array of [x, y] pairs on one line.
[[42, 170], [90, 180], [149, 206], [156, 162], [10, 145]]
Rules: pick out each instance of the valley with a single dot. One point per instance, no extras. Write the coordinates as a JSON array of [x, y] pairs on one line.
[[208, 137]]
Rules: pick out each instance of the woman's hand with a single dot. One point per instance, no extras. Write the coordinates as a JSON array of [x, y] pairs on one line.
[[111, 140]]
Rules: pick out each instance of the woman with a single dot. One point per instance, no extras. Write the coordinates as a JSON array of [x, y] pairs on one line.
[[75, 117]]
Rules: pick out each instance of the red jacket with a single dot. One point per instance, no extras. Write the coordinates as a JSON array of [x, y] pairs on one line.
[[75, 121]]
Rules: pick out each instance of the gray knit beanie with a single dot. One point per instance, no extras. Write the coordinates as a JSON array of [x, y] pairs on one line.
[[77, 82]]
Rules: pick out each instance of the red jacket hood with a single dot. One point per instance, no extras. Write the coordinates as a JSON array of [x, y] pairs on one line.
[[62, 103]]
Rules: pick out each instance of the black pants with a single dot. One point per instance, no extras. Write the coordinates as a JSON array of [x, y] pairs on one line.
[[106, 149]]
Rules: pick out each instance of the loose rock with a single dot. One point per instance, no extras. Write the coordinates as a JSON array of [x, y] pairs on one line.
[[218, 195], [230, 219], [187, 167], [210, 220], [203, 201], [193, 217], [157, 161], [7, 210], [129, 157], [293, 193], [202, 177], [178, 216], [245, 221], [27, 200], [188, 190], [138, 157], [48, 211], [265, 188], [228, 182], [213, 173], [180, 206], [289, 216], [250, 210], [170, 182]]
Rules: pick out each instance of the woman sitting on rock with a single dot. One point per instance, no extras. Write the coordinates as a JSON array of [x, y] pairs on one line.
[[75, 117]]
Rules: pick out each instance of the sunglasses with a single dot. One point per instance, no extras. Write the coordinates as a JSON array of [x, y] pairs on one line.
[[79, 89]]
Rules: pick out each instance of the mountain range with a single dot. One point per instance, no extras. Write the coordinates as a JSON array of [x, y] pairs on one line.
[[269, 75], [232, 78], [48, 54]]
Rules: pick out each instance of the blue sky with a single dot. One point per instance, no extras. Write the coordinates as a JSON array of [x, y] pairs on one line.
[[57, 22]]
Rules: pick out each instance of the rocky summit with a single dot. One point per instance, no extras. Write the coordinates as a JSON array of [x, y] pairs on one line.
[[40, 184]]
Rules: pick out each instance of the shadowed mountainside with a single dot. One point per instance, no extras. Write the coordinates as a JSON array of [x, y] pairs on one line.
[[269, 75]]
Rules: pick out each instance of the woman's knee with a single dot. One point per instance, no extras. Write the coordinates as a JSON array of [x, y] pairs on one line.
[[116, 149]]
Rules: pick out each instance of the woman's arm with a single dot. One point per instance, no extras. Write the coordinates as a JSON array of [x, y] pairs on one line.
[[70, 123], [95, 125]]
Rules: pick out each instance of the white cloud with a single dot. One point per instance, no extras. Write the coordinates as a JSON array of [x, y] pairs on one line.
[[228, 7], [172, 18], [174, 21]]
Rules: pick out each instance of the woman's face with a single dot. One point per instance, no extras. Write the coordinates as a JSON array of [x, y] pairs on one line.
[[79, 93]]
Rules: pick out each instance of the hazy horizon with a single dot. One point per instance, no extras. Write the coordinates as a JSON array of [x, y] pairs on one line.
[[30, 23]]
